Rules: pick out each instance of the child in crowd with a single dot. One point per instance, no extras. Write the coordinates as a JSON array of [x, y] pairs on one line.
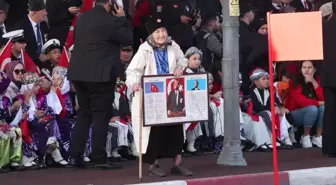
[[260, 97], [52, 49], [42, 123]]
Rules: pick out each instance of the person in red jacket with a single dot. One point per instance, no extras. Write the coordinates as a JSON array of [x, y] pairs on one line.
[[306, 103]]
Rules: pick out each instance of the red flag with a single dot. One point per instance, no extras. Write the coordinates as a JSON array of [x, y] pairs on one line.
[[64, 59], [69, 40], [6, 55], [28, 63], [25, 131], [153, 88], [87, 5], [62, 114]]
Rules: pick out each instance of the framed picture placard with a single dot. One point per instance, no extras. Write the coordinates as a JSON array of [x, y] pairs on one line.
[[175, 100]]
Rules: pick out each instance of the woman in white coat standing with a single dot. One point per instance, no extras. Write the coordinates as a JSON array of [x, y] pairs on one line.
[[158, 55]]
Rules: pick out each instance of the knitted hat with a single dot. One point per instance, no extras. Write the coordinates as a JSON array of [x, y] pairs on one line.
[[257, 73], [191, 51], [60, 70], [153, 24]]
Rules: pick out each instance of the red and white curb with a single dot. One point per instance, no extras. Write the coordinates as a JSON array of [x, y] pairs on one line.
[[314, 176]]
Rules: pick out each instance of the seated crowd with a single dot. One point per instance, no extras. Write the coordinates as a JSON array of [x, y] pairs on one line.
[[38, 109], [38, 114]]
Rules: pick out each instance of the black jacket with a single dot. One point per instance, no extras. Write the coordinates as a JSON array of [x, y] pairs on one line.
[[18, 9], [97, 39], [59, 19], [328, 74], [29, 34]]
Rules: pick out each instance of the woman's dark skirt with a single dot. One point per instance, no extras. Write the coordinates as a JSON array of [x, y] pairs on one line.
[[164, 142]]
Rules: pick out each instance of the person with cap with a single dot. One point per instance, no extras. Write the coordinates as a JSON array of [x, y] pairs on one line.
[[260, 98], [52, 49], [18, 43], [126, 54], [35, 30], [152, 59], [98, 36], [328, 84]]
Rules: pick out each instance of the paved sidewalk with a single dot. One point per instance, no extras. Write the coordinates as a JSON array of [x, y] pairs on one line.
[[203, 167], [313, 176]]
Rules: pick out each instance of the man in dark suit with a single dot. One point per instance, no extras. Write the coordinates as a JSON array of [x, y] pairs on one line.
[[302, 5], [195, 86], [36, 30], [98, 35]]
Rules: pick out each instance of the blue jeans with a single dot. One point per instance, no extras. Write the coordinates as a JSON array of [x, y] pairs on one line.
[[308, 116]]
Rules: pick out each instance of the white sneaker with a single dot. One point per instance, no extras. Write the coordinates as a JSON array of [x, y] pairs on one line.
[[15, 164], [288, 141], [317, 141], [191, 147], [86, 159], [306, 142], [115, 153]]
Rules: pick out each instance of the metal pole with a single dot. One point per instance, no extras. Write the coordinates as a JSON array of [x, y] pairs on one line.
[[231, 153]]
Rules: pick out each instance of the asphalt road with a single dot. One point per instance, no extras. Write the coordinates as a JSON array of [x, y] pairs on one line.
[[202, 166]]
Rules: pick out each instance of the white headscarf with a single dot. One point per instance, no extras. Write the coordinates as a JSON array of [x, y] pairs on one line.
[[52, 98]]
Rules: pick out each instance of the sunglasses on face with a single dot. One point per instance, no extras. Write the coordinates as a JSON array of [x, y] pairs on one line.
[[18, 71]]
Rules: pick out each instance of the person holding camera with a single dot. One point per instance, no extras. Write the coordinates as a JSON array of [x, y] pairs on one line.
[[98, 35]]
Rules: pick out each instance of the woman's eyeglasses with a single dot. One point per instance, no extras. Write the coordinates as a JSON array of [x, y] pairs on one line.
[[18, 71]]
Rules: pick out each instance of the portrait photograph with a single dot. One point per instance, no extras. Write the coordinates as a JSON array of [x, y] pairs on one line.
[[175, 97]]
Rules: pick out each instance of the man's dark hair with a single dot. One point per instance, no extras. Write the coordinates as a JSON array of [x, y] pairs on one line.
[[101, 2], [208, 19]]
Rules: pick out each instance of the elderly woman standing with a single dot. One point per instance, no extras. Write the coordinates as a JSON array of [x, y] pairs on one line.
[[157, 56]]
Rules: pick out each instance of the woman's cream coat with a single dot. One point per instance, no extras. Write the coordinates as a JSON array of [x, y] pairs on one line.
[[143, 63]]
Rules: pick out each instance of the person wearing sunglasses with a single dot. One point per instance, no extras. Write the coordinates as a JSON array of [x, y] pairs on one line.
[[15, 72], [18, 42]]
